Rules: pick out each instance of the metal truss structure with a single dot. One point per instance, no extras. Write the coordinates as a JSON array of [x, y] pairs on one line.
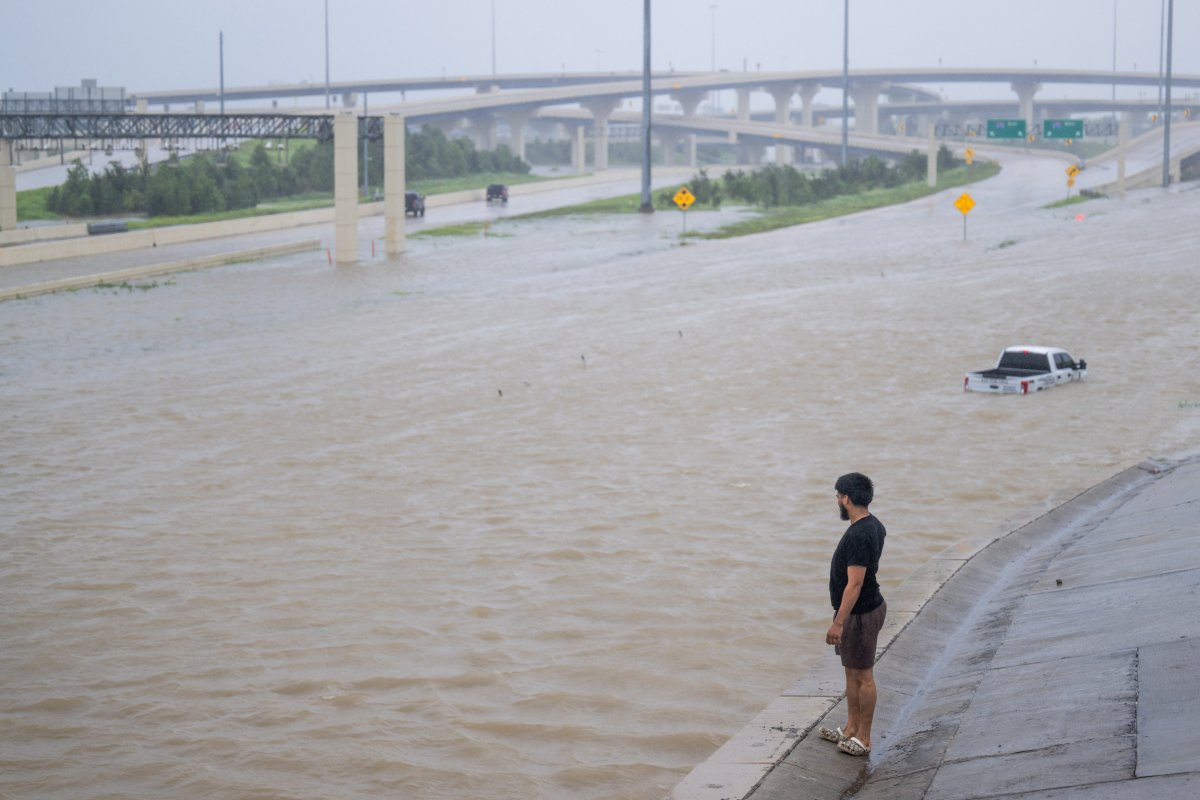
[[30, 130]]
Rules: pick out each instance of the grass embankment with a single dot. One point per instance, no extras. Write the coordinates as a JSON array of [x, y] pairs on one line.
[[31, 204], [1073, 200], [787, 216], [768, 219]]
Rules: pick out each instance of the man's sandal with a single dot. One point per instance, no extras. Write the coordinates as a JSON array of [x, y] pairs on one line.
[[834, 735], [853, 747]]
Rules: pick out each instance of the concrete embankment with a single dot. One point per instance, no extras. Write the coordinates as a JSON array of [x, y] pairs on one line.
[[1056, 661]]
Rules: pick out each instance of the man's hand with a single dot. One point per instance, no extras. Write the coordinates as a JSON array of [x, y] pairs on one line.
[[834, 634]]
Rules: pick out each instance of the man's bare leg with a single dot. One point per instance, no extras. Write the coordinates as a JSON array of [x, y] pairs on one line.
[[860, 701]]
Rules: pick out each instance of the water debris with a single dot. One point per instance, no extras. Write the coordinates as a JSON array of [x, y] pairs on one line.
[[500, 392], [583, 360], [681, 334]]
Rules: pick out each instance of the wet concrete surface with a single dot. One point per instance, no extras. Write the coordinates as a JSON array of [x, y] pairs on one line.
[[1058, 663]]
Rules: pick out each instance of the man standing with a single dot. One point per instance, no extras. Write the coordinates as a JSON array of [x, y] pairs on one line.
[[859, 610]]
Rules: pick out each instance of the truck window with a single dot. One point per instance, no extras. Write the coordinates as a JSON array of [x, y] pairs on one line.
[[1017, 359]]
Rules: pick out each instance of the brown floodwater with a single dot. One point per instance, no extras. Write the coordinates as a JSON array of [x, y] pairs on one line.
[[545, 514]]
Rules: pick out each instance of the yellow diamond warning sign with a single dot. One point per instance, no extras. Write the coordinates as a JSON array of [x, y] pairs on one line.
[[965, 203], [683, 198]]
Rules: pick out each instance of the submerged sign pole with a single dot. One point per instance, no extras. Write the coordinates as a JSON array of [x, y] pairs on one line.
[[964, 204], [684, 199]]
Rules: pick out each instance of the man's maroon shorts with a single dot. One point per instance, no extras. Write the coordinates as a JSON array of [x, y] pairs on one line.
[[860, 635]]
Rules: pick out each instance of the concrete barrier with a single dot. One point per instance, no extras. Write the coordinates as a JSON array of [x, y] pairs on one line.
[[100, 279], [44, 233]]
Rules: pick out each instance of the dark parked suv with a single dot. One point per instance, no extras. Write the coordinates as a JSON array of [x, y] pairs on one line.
[[497, 191], [414, 204]]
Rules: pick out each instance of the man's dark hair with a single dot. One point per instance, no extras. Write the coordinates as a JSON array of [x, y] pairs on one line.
[[857, 487]]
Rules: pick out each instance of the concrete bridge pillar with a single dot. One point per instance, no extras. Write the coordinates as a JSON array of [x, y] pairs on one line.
[[783, 107], [516, 126], [142, 106], [689, 100], [482, 127], [690, 149], [198, 108], [808, 91], [865, 95], [670, 141], [743, 111], [349, 99], [1025, 93], [753, 152], [579, 149], [783, 102], [601, 111], [8, 188], [393, 184], [345, 186]]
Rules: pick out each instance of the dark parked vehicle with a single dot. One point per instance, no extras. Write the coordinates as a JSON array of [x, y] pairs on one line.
[[414, 204], [497, 191]]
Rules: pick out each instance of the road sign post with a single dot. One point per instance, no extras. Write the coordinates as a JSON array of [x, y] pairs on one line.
[[964, 204], [684, 199], [1072, 172]]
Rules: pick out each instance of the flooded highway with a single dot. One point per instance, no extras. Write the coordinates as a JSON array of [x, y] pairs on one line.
[[542, 514]]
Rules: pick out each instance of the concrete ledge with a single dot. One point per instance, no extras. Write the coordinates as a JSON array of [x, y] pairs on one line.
[[963, 568], [86, 281]]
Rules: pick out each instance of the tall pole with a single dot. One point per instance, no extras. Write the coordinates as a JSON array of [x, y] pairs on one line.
[[1167, 103], [647, 206], [493, 37], [327, 53], [712, 100], [366, 152], [1114, 60], [845, 82], [221, 47], [1162, 36]]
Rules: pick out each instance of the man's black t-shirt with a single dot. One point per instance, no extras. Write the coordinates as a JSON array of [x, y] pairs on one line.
[[861, 546]]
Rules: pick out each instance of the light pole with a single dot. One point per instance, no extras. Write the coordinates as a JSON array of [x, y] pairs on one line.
[[845, 81], [221, 40], [1167, 103], [647, 206], [326, 53], [1114, 60], [1162, 37], [713, 60]]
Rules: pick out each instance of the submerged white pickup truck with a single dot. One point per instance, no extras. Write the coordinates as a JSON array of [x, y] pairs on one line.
[[1026, 369]]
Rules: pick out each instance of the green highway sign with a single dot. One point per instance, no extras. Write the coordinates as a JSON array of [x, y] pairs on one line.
[[1006, 129], [1062, 129]]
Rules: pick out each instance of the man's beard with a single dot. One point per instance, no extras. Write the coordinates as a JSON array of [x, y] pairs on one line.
[[843, 512]]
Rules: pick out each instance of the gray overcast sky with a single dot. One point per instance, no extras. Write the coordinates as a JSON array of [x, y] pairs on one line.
[[162, 44]]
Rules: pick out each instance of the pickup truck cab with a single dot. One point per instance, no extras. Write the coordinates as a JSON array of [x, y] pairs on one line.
[[1025, 369]]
